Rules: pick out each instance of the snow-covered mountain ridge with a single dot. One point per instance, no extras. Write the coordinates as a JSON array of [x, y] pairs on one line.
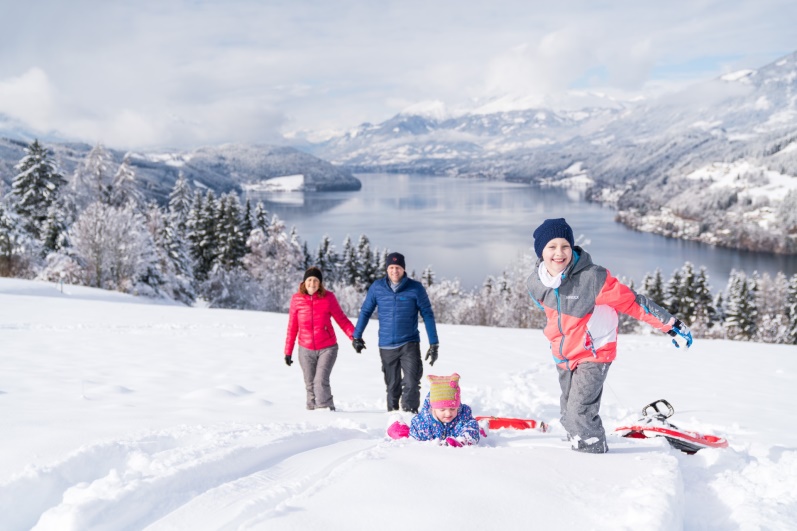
[[230, 167], [738, 132]]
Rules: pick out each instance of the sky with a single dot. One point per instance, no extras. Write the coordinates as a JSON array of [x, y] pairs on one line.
[[185, 73], [120, 414]]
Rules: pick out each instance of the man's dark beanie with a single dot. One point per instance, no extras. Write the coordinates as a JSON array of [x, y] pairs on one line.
[[395, 259], [550, 229], [313, 272]]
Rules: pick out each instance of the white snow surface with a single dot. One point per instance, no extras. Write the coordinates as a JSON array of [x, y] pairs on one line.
[[119, 415]]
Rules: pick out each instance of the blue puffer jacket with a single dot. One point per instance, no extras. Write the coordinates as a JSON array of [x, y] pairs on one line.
[[464, 428], [398, 312]]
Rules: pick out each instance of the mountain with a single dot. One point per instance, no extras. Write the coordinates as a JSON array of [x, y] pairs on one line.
[[715, 162], [223, 168]]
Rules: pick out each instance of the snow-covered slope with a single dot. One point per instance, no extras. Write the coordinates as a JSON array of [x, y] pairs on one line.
[[131, 416]]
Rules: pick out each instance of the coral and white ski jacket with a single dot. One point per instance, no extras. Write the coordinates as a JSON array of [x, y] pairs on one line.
[[309, 318], [464, 428], [582, 311]]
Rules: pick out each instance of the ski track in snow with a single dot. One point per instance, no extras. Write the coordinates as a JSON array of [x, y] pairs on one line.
[[240, 477], [178, 479]]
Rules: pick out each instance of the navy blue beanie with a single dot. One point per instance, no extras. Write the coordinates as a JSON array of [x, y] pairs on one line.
[[395, 259], [550, 229]]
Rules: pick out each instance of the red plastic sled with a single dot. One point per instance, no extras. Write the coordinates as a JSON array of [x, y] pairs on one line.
[[495, 423], [656, 425]]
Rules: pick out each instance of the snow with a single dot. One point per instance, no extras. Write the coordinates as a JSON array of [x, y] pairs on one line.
[[740, 75], [122, 415], [287, 183], [742, 175]]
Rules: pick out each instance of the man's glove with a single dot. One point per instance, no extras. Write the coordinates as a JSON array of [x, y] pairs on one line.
[[358, 344], [288, 361], [680, 329], [431, 354]]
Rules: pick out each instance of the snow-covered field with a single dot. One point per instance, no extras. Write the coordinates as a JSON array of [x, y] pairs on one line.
[[120, 415]]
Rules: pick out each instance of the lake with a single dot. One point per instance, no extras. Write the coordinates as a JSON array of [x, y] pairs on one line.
[[469, 228]]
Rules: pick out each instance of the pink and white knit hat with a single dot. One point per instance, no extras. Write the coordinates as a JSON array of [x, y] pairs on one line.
[[444, 391]]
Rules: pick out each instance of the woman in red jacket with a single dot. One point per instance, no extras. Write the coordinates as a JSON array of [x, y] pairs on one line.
[[312, 308]]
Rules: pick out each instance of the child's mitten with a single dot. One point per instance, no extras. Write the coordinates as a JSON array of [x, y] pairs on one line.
[[398, 430]]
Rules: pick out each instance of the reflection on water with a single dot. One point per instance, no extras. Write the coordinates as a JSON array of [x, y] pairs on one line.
[[469, 229]]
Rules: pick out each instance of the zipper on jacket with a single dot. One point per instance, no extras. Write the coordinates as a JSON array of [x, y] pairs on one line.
[[562, 357]]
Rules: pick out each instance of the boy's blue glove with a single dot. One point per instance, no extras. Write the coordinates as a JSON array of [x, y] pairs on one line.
[[680, 329]]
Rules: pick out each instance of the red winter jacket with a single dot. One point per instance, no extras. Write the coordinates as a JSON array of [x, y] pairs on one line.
[[582, 312], [309, 318]]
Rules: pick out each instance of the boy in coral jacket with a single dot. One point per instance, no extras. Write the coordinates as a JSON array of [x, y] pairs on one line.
[[581, 301]]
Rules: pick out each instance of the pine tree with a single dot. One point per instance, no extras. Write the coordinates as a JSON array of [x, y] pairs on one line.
[[741, 314], [202, 234], [180, 201], [705, 314], [687, 300], [653, 287], [260, 218], [13, 243], [366, 268], [791, 311], [54, 231], [247, 220], [349, 273], [672, 293], [93, 178], [231, 246], [326, 259], [427, 277], [35, 188], [124, 188]]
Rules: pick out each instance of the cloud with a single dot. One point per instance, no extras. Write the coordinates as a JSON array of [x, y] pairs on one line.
[[28, 98], [177, 73]]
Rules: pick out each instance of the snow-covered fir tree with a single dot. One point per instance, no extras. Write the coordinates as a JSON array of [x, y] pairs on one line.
[[35, 188], [15, 244], [276, 262], [171, 259], [124, 188], [231, 240], [180, 201], [93, 179], [366, 266], [326, 259], [202, 235], [653, 286], [741, 314], [791, 311], [348, 264]]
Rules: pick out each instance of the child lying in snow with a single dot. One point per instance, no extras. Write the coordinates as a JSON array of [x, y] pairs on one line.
[[442, 417]]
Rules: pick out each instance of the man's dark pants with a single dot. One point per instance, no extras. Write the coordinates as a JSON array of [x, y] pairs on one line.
[[403, 370]]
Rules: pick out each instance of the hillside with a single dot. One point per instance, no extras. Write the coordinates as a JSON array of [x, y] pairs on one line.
[[663, 163], [224, 168]]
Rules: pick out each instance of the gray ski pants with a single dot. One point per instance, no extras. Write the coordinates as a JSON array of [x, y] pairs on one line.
[[317, 367], [580, 404]]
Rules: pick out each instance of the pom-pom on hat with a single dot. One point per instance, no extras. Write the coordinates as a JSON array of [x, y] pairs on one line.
[[395, 259], [550, 229], [444, 391], [313, 272]]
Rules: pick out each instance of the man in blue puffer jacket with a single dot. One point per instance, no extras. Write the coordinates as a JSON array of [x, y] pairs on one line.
[[399, 299]]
